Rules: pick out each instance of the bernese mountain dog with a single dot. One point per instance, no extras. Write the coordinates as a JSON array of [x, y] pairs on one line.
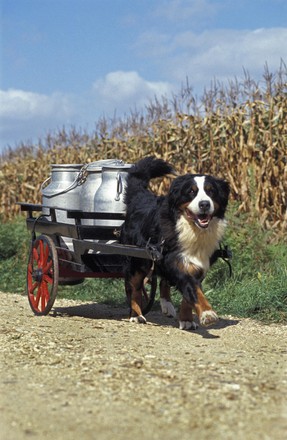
[[187, 225]]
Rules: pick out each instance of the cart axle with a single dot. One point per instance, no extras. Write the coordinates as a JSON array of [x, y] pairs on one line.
[[37, 275]]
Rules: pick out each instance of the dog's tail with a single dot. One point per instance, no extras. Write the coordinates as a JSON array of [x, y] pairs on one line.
[[149, 168], [143, 171]]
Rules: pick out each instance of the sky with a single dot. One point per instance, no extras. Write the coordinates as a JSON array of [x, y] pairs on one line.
[[70, 62]]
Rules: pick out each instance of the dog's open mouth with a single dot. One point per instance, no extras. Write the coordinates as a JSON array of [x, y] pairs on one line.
[[201, 220]]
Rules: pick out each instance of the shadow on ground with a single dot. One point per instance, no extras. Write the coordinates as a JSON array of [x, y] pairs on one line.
[[103, 311]]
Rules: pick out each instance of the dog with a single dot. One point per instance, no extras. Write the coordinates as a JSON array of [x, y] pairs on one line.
[[187, 225]]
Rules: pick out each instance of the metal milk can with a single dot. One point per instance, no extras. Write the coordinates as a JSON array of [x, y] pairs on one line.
[[109, 196], [92, 180], [61, 190]]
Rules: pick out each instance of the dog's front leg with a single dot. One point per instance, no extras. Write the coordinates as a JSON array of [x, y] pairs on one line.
[[193, 298], [186, 316], [186, 278], [204, 311], [196, 299], [202, 307]]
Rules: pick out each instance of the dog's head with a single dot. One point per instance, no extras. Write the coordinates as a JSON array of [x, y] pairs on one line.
[[199, 198]]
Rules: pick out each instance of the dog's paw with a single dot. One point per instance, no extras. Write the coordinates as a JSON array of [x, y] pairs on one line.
[[167, 308], [208, 317], [187, 325], [138, 319]]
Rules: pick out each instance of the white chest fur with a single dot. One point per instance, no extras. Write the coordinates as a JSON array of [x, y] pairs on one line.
[[199, 244]]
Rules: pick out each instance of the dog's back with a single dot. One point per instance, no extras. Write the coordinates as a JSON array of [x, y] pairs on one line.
[[142, 203]]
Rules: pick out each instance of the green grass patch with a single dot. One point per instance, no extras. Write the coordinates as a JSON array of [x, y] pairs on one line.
[[257, 288], [14, 249], [102, 290]]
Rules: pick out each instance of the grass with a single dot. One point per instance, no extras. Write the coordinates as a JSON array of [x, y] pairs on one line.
[[106, 291], [257, 288], [14, 249]]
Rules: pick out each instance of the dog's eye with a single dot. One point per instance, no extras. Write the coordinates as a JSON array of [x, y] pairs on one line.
[[209, 190], [193, 191]]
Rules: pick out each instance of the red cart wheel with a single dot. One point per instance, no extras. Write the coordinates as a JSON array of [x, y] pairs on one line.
[[42, 275]]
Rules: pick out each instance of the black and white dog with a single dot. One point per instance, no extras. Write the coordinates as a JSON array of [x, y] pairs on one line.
[[188, 222]]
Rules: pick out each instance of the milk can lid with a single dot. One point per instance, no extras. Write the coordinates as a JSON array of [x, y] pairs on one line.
[[99, 164], [118, 167]]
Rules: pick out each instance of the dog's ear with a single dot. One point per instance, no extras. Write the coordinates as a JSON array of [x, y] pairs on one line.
[[178, 192], [223, 190]]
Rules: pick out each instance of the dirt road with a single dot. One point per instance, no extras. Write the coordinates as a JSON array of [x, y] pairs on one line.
[[85, 372]]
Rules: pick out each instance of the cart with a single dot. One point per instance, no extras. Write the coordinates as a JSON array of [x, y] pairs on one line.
[[65, 253]]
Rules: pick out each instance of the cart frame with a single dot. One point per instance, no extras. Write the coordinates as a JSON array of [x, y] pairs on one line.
[[94, 252]]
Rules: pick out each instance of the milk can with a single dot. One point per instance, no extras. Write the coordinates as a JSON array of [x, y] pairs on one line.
[[92, 180], [61, 190], [109, 196]]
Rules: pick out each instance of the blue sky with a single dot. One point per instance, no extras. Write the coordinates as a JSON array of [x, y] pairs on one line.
[[68, 62]]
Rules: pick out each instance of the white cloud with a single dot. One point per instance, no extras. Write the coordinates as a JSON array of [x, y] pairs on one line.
[[23, 105], [219, 53], [216, 53], [27, 116], [223, 54], [123, 90]]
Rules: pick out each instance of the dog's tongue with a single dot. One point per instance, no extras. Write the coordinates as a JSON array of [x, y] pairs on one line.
[[203, 221]]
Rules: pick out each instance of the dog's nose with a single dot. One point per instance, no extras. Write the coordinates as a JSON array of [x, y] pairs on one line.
[[204, 205]]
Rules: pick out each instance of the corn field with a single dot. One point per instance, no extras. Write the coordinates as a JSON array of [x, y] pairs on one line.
[[239, 134]]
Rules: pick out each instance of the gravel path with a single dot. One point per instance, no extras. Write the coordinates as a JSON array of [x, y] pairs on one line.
[[85, 372]]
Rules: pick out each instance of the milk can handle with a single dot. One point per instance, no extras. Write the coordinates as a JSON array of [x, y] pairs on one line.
[[73, 184], [80, 178], [119, 187], [45, 181]]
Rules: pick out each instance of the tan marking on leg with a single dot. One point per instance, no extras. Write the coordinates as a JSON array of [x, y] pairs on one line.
[[136, 303], [203, 309], [134, 290]]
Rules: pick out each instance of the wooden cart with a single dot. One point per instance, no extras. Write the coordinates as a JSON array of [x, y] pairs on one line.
[[64, 253]]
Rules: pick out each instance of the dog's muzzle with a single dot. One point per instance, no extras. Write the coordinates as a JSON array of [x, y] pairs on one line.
[[203, 217]]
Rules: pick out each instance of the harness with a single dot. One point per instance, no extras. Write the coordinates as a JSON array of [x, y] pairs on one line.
[[225, 254]]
